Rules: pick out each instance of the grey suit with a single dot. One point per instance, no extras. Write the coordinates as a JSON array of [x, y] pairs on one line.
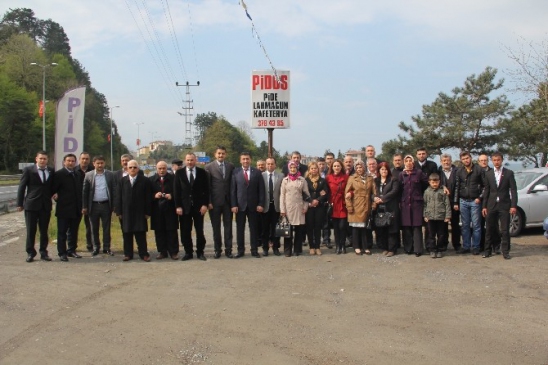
[[219, 190], [99, 211], [271, 212]]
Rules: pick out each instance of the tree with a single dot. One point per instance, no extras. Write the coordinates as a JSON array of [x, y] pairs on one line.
[[525, 136], [464, 120], [17, 113], [203, 121], [531, 75]]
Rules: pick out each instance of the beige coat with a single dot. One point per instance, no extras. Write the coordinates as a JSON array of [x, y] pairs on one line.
[[359, 205], [292, 200]]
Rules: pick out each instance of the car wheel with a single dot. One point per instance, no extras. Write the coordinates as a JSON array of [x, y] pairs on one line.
[[516, 224]]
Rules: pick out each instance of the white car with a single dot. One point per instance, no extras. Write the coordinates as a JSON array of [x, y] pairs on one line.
[[532, 185]]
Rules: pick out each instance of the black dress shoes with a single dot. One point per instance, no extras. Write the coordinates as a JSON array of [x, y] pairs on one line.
[[265, 253], [276, 252], [89, 248], [45, 258], [95, 252], [486, 254], [187, 256], [497, 250], [63, 258], [506, 256], [217, 255], [202, 257], [256, 254], [30, 258], [229, 255], [108, 252], [238, 255], [74, 254]]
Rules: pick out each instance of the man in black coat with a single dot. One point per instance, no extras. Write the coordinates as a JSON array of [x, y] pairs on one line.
[[67, 189], [219, 173], [98, 203], [164, 220], [248, 201], [134, 206], [422, 163], [500, 200], [34, 196], [191, 201], [84, 166], [295, 157]]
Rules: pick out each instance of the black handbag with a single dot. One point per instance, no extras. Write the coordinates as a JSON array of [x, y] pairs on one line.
[[383, 218], [283, 228]]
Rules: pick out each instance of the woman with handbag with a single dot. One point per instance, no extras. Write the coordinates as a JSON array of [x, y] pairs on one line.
[[412, 183], [315, 216], [294, 198], [336, 180], [387, 220], [359, 194]]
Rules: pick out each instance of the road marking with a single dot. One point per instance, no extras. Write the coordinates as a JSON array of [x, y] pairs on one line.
[[6, 242]]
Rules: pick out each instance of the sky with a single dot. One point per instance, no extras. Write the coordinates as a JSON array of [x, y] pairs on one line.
[[358, 67]]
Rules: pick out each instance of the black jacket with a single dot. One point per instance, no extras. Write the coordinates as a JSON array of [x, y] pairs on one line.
[[428, 167], [469, 185]]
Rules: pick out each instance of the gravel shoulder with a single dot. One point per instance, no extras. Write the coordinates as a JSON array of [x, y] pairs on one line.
[[302, 310]]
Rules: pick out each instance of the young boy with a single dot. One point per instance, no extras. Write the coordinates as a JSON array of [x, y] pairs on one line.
[[437, 213]]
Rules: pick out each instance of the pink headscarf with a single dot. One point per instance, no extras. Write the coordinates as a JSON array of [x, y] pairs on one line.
[[293, 177]]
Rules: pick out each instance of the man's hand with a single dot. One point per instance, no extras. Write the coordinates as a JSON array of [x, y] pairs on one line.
[[446, 191], [425, 219], [179, 211], [84, 211], [259, 209], [456, 207], [234, 210], [203, 209], [513, 211], [19, 209], [210, 206], [484, 212]]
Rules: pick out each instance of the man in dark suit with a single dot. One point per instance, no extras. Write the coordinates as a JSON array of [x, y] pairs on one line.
[[483, 162], [422, 163], [98, 203], [134, 206], [247, 200], [191, 201], [448, 179], [500, 200], [34, 196], [295, 157], [271, 213], [84, 166], [164, 220], [219, 173], [67, 192]]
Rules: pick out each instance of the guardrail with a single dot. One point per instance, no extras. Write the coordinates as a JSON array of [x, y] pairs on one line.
[[10, 177]]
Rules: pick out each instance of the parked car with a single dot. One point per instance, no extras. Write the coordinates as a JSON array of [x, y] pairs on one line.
[[532, 185]]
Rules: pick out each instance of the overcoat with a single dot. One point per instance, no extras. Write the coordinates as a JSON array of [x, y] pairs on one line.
[[133, 203], [360, 203], [293, 199], [413, 183]]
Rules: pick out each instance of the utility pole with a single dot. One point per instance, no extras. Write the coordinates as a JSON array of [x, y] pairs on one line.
[[187, 114]]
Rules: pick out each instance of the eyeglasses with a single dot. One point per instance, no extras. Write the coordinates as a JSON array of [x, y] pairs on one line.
[[132, 167]]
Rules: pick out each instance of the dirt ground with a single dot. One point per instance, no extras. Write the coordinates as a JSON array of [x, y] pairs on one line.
[[333, 309]]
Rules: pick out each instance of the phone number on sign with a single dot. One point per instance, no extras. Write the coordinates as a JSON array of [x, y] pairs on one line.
[[270, 123]]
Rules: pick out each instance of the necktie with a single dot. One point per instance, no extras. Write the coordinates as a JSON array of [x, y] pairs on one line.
[[246, 177], [191, 177], [270, 188], [223, 169], [43, 175]]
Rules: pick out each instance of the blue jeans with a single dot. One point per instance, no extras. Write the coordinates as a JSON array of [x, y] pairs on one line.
[[470, 212]]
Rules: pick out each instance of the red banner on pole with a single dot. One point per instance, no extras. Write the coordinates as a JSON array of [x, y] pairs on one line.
[[41, 108]]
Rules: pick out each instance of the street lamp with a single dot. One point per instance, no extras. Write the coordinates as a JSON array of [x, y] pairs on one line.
[[111, 137], [138, 138], [43, 100]]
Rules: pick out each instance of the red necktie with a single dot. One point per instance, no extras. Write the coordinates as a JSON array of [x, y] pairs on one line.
[[246, 177]]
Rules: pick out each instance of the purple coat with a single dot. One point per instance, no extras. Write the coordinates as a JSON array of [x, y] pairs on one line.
[[412, 202]]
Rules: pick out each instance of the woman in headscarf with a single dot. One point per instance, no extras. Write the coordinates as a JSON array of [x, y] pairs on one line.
[[359, 193], [412, 182], [336, 180], [315, 216], [294, 198]]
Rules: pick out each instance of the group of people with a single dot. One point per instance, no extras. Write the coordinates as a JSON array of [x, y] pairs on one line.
[[354, 199]]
